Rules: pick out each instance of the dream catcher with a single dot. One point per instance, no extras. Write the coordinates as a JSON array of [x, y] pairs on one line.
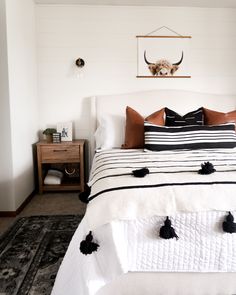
[[71, 170]]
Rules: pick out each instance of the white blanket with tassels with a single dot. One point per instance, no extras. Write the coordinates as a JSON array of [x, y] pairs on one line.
[[172, 186], [135, 245], [126, 222]]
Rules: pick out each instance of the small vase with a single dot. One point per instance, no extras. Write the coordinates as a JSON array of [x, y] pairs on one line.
[[49, 138]]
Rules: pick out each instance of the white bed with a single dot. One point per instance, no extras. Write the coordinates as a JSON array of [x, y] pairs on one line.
[[116, 276]]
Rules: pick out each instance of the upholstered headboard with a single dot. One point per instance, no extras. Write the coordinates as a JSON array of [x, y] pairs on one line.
[[149, 101]]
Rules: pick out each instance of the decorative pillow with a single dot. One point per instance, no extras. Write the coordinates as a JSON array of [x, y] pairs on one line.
[[159, 138], [110, 132], [213, 117], [134, 130], [192, 118]]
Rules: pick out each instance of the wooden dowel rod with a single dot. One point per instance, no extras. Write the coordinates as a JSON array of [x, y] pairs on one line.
[[163, 36], [163, 77]]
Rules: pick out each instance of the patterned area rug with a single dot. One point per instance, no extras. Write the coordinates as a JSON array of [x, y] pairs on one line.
[[31, 253]]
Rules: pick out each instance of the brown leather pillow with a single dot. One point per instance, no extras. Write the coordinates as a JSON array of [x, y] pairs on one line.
[[214, 118], [134, 130]]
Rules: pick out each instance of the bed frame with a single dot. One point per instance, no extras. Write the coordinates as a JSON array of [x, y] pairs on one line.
[[146, 103]]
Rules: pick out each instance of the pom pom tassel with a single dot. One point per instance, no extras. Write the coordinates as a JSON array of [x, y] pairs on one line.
[[207, 168], [87, 246], [229, 226], [167, 231], [84, 195], [140, 172]]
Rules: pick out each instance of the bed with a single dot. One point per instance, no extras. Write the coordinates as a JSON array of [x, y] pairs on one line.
[[126, 213]]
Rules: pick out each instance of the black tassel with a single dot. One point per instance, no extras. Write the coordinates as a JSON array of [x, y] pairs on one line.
[[140, 172], [229, 226], [207, 168], [87, 246], [84, 195], [167, 231]]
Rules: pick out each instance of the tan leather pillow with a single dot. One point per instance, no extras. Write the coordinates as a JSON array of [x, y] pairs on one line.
[[134, 130], [214, 118]]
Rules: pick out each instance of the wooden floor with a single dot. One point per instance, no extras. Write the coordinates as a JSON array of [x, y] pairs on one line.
[[47, 204]]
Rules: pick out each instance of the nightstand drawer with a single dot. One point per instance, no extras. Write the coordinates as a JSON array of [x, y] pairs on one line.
[[60, 153]]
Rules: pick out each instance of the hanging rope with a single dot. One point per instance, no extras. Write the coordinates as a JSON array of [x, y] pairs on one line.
[[160, 28]]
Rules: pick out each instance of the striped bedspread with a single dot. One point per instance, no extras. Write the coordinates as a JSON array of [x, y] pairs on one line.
[[173, 184]]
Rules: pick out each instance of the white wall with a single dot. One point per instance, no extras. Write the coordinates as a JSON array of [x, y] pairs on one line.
[[105, 37], [20, 100], [6, 173], [23, 93]]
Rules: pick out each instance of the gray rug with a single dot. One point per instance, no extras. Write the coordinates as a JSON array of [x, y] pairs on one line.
[[31, 252]]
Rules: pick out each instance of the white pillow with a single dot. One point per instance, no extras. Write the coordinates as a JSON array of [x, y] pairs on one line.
[[110, 132]]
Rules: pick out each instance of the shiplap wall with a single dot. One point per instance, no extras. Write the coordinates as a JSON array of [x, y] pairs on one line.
[[105, 38]]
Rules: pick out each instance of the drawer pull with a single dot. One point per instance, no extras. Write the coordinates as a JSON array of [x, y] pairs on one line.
[[60, 150]]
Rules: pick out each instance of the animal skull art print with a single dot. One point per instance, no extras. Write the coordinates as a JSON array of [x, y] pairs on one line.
[[163, 67]]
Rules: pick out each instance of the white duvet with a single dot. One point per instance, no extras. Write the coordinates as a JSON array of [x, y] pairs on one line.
[[126, 213]]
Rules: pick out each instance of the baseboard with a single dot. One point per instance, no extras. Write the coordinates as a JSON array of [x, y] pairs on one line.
[[8, 213], [22, 206]]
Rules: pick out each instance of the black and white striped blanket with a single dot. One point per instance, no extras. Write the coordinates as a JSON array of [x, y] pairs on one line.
[[172, 186]]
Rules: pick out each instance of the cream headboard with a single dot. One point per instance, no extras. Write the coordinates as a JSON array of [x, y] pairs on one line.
[[149, 101]]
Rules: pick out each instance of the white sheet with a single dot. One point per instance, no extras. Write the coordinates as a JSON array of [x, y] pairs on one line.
[[171, 284]]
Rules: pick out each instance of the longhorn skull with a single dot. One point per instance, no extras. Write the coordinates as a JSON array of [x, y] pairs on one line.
[[163, 67]]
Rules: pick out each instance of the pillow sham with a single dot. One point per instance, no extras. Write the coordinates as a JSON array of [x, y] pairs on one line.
[[192, 118], [134, 130], [110, 132], [159, 138], [212, 117]]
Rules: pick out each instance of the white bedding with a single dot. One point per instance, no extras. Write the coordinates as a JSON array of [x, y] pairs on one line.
[[134, 246], [173, 184], [126, 222]]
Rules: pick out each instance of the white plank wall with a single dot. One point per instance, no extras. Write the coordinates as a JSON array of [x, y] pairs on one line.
[[104, 36]]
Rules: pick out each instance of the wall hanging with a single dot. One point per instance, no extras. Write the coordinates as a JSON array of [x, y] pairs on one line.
[[160, 56], [80, 63]]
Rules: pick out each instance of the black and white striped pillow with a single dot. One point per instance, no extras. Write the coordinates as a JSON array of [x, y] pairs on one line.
[[159, 138], [192, 118]]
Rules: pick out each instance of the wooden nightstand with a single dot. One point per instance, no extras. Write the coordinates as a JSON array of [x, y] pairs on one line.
[[54, 155]]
